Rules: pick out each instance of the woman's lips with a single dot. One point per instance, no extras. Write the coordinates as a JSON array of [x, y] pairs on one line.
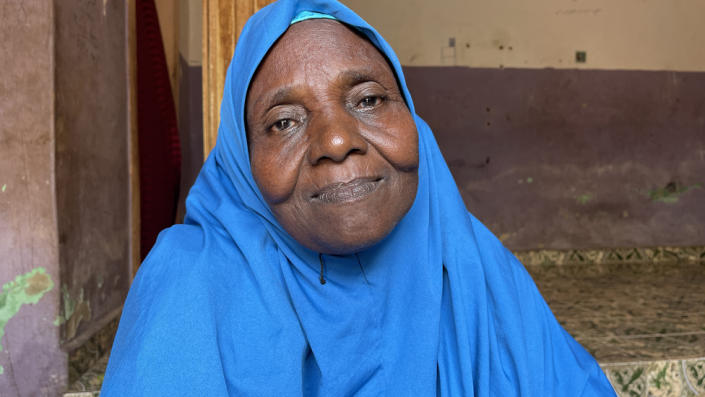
[[343, 192]]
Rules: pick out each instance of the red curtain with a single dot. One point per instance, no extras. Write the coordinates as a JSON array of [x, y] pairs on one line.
[[159, 147]]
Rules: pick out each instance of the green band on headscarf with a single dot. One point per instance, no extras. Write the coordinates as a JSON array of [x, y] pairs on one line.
[[304, 15]]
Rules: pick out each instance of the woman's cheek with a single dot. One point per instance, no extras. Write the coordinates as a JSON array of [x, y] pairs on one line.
[[275, 172], [402, 147]]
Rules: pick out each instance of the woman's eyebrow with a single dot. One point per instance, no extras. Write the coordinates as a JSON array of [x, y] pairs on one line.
[[349, 78], [277, 97], [354, 77]]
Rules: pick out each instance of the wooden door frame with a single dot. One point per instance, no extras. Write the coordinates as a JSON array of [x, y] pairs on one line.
[[223, 21]]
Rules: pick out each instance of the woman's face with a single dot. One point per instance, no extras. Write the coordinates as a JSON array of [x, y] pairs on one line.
[[333, 147]]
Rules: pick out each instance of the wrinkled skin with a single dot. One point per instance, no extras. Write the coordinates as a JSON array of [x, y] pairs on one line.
[[333, 146]]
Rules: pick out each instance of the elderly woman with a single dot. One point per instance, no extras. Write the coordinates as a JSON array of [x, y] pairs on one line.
[[326, 250]]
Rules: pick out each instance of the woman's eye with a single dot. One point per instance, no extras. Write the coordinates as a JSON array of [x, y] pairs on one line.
[[283, 124], [370, 101]]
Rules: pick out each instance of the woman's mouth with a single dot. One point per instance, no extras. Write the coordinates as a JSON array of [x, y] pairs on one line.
[[343, 192]]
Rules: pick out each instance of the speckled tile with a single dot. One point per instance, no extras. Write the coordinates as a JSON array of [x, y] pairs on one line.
[[627, 311], [651, 348], [670, 378], [643, 322]]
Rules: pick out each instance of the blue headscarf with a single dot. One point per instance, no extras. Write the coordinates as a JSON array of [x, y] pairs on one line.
[[229, 304]]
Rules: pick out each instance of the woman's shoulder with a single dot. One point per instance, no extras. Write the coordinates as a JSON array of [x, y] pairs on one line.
[[189, 260], [183, 261], [182, 238], [175, 251], [184, 248]]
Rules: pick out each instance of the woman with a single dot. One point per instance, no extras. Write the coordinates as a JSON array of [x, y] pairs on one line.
[[326, 249]]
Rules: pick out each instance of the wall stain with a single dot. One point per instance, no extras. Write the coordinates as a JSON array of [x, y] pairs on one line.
[[26, 288], [73, 312], [671, 192], [584, 198]]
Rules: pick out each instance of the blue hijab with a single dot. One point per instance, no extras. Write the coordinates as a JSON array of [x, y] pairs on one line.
[[229, 304]]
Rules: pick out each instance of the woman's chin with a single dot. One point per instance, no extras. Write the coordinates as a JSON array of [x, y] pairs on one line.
[[347, 238]]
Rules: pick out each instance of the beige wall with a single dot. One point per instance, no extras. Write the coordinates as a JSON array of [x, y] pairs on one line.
[[625, 34], [180, 26], [190, 29], [168, 11]]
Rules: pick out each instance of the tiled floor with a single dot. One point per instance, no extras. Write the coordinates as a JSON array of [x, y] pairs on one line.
[[644, 323], [629, 312]]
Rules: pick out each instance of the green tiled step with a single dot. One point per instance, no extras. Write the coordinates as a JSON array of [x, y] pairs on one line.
[[668, 378]]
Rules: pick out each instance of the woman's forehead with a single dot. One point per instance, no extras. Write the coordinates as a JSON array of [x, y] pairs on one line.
[[326, 29], [320, 39], [319, 48]]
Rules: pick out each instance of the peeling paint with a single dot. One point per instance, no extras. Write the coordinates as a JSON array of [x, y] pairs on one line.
[[74, 311], [671, 192], [4, 186], [26, 288], [584, 198], [68, 306]]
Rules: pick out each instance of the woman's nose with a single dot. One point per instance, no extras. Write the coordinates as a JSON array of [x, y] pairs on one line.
[[334, 138]]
